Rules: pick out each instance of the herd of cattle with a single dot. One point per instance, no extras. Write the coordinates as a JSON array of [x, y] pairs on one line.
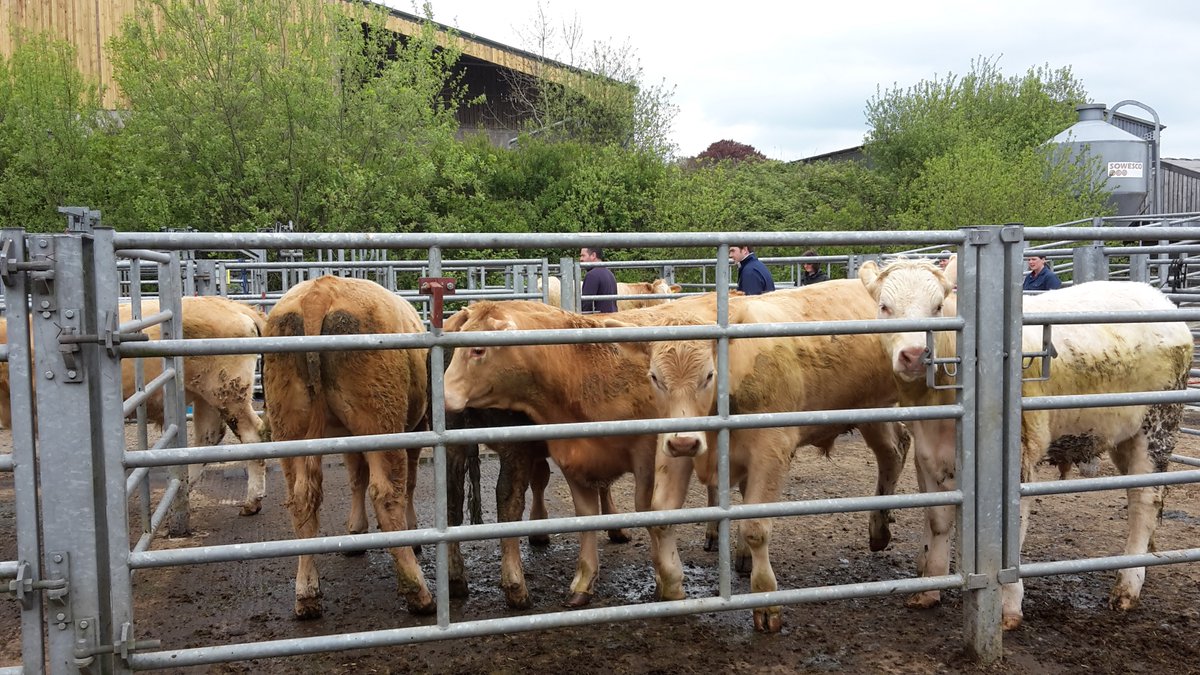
[[312, 395]]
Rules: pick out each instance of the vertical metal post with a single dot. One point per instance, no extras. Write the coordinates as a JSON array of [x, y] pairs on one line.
[[174, 403], [206, 272], [437, 421], [1139, 267], [69, 502], [104, 369], [25, 468], [569, 300], [724, 578], [984, 426], [1089, 263]]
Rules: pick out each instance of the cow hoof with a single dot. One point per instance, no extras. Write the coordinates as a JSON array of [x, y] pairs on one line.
[[926, 600], [1011, 621], [459, 589], [768, 619], [417, 549], [308, 608], [517, 598], [619, 536], [675, 592], [711, 542], [1122, 601], [881, 539], [422, 604], [579, 600], [539, 540], [251, 508]]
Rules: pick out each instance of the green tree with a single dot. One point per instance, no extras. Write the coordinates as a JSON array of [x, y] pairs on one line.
[[50, 127], [243, 114]]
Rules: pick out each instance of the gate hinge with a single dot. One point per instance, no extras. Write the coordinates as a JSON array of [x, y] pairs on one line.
[[88, 647], [69, 341], [23, 586], [10, 266]]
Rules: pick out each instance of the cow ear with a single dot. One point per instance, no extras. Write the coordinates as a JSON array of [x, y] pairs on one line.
[[456, 322], [868, 273], [951, 273], [676, 288], [629, 349], [498, 324]]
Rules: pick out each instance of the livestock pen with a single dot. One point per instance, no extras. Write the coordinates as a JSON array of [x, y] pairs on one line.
[[75, 571]]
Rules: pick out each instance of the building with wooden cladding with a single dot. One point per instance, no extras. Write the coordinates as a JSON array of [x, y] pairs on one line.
[[489, 68]]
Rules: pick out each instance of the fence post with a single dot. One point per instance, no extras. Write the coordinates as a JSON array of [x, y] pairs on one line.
[[1089, 263]]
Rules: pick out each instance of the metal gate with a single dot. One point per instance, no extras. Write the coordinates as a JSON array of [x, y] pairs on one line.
[[74, 576]]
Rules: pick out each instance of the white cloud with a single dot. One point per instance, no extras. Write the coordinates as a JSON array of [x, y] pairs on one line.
[[793, 79]]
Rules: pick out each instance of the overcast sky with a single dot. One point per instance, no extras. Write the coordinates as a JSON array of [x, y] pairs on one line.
[[793, 78]]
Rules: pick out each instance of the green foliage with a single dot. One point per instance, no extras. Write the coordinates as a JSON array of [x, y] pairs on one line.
[[50, 127], [244, 114]]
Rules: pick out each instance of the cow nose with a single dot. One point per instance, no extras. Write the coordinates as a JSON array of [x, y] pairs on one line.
[[683, 446], [912, 359]]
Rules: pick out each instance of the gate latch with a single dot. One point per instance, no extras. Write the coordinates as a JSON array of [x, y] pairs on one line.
[[437, 287], [24, 585]]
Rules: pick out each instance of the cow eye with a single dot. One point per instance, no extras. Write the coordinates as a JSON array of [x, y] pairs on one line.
[[938, 311], [477, 352], [654, 379], [884, 310], [709, 378]]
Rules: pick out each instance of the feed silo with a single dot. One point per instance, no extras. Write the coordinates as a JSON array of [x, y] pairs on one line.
[[1124, 158]]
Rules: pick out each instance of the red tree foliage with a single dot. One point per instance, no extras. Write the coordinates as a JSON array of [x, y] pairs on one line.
[[731, 150]]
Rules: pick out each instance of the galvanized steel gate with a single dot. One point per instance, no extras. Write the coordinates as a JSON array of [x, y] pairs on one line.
[[74, 573]]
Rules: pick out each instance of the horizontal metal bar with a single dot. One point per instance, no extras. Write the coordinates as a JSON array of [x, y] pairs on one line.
[[140, 397], [423, 439], [518, 624], [143, 254], [138, 325], [1114, 562], [1059, 487], [6, 462], [1110, 233], [312, 343], [12, 670], [1076, 318], [4, 352], [1109, 400], [496, 265], [140, 559], [797, 235], [8, 569], [1182, 459]]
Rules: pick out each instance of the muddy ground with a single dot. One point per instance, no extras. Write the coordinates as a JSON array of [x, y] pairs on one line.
[[1068, 627]]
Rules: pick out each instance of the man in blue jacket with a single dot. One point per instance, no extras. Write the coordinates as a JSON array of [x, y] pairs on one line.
[[597, 281], [753, 276], [1040, 277]]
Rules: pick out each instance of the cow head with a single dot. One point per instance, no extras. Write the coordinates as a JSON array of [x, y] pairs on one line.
[[661, 287], [909, 289], [475, 375], [682, 375]]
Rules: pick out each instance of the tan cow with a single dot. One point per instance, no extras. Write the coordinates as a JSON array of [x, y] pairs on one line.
[[767, 375], [349, 393], [554, 384], [1091, 359], [656, 287], [219, 388]]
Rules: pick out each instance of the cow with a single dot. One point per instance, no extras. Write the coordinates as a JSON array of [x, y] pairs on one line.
[[656, 287], [219, 388], [1091, 359], [554, 384], [349, 393], [767, 375]]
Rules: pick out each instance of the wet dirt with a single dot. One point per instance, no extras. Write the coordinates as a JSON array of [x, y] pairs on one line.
[[1068, 627]]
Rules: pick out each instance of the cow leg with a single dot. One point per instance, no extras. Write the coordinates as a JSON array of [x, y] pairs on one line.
[[889, 441], [742, 560], [303, 478], [246, 425], [456, 473], [1145, 510], [410, 489], [356, 522], [764, 483], [207, 430], [539, 479], [1035, 440], [516, 463], [672, 475], [587, 569], [712, 531], [387, 489], [935, 463], [619, 535]]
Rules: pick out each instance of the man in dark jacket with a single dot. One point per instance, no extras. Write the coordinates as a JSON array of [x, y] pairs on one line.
[[1040, 277], [597, 281], [753, 276]]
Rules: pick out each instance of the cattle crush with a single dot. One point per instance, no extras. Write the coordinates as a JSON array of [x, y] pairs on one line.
[[80, 545]]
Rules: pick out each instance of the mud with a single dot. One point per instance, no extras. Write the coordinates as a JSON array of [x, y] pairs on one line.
[[1068, 626]]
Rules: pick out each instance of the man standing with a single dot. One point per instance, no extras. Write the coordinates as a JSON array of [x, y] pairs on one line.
[[753, 276], [1040, 277], [811, 272], [597, 281]]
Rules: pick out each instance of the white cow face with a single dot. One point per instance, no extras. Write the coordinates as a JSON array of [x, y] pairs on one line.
[[477, 377], [908, 289], [683, 377]]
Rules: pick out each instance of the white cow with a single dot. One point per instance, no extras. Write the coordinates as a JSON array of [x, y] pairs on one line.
[[1092, 359]]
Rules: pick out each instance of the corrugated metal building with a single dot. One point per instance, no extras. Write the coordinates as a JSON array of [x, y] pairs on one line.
[[489, 68]]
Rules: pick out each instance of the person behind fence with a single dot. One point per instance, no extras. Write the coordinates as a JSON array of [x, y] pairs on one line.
[[1040, 277], [597, 281], [753, 277], [811, 272]]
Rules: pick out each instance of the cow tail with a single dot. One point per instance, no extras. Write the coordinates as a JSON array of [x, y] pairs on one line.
[[313, 308]]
